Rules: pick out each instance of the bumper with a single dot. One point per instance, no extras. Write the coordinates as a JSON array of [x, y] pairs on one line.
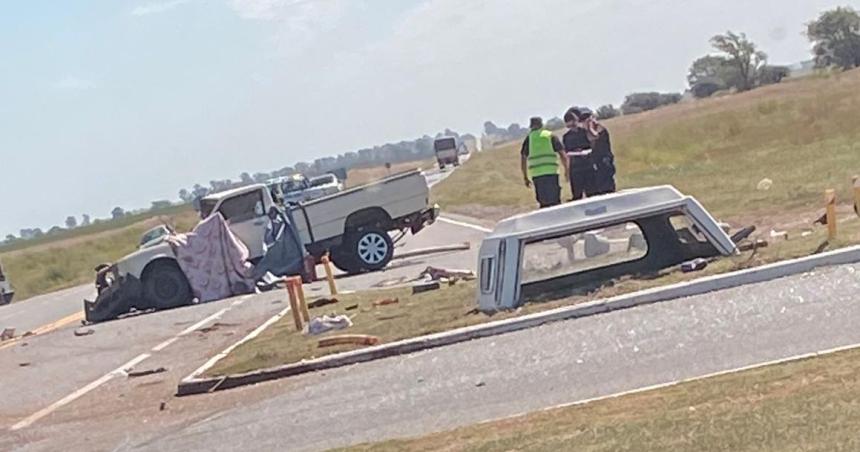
[[116, 297]]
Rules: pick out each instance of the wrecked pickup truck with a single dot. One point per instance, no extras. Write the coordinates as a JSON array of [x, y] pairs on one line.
[[6, 291], [585, 243], [351, 226]]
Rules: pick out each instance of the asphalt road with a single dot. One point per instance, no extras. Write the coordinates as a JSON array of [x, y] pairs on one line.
[[527, 370]]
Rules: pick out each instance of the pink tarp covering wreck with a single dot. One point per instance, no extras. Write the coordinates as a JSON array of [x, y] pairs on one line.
[[213, 260]]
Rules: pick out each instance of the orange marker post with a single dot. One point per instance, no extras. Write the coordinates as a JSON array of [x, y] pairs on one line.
[[300, 297], [294, 305], [830, 200], [332, 288]]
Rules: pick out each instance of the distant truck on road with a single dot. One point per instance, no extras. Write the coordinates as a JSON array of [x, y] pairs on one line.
[[351, 226], [446, 152]]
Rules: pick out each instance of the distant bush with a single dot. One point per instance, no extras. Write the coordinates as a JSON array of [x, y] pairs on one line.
[[607, 112], [639, 102]]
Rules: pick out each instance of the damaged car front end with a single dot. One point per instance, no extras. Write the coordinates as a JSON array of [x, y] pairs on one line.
[[581, 245], [117, 295]]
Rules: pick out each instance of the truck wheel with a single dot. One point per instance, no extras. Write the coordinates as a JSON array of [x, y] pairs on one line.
[[166, 287], [373, 248], [344, 260], [442, 166]]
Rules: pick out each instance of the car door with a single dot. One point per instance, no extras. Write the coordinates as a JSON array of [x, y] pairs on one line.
[[246, 216]]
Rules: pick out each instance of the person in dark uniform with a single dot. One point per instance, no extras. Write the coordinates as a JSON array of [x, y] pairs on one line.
[[602, 158], [540, 157], [578, 150]]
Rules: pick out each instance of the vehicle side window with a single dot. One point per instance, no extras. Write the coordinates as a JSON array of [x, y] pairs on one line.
[[577, 253], [243, 207], [688, 232]]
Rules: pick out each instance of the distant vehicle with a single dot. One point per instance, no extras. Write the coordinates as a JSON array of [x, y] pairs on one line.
[[446, 152], [352, 226], [6, 291], [298, 188]]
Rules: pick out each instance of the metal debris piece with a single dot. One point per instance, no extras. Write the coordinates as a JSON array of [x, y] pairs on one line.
[[322, 302], [386, 301], [8, 333], [425, 287], [143, 373], [83, 332], [349, 339]]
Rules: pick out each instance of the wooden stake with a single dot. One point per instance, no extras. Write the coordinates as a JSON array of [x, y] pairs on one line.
[[300, 292], [830, 200], [332, 288], [294, 305]]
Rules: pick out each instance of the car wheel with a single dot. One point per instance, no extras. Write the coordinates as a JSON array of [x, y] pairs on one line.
[[372, 248], [165, 286], [344, 260]]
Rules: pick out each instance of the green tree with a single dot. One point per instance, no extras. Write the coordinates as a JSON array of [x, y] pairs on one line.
[[743, 55], [835, 36], [607, 112]]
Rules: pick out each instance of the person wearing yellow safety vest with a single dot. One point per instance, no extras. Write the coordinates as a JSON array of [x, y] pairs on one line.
[[540, 158]]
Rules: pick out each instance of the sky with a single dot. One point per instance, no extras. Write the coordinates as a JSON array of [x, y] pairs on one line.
[[107, 103]]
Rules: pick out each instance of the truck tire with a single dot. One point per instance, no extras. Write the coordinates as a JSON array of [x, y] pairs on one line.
[[165, 286], [366, 250]]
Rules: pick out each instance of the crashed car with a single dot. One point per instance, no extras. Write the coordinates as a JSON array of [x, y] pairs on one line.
[[353, 227], [583, 243], [6, 291]]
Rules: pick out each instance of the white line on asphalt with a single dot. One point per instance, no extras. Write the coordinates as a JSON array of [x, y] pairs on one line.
[[120, 370], [465, 225], [682, 381], [77, 394], [247, 338]]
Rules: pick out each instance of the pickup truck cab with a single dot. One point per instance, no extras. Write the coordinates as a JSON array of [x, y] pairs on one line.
[[352, 226]]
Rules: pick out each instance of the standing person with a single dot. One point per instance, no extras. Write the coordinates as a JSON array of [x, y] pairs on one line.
[[540, 157], [578, 150], [601, 152]]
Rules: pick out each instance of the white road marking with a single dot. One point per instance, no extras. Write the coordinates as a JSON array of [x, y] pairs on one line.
[[465, 225], [77, 394], [682, 381], [120, 370], [206, 366]]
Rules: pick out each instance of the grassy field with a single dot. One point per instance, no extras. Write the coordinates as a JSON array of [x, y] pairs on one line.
[[809, 405], [67, 259], [360, 176], [804, 135]]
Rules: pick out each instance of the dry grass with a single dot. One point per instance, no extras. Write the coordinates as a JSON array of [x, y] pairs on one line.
[[809, 405], [804, 135]]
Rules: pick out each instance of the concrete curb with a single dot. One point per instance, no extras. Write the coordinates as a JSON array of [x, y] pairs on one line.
[[190, 385]]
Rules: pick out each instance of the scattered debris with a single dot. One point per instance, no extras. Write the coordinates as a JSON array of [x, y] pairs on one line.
[[8, 333], [425, 287], [749, 246], [386, 301], [216, 326], [28, 334], [821, 247], [727, 228], [743, 234], [319, 325], [84, 332], [822, 220], [436, 274], [23, 364], [318, 303], [392, 317], [779, 234], [433, 250], [764, 185], [480, 384], [351, 308], [353, 339], [143, 373], [694, 265], [806, 233], [162, 406]]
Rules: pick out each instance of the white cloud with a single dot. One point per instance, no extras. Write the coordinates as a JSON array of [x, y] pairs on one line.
[[72, 83], [157, 7], [299, 22]]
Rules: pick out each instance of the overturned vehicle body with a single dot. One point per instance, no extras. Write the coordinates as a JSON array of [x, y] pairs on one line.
[[584, 243]]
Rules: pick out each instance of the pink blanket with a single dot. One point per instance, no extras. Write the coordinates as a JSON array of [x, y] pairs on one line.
[[213, 260]]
